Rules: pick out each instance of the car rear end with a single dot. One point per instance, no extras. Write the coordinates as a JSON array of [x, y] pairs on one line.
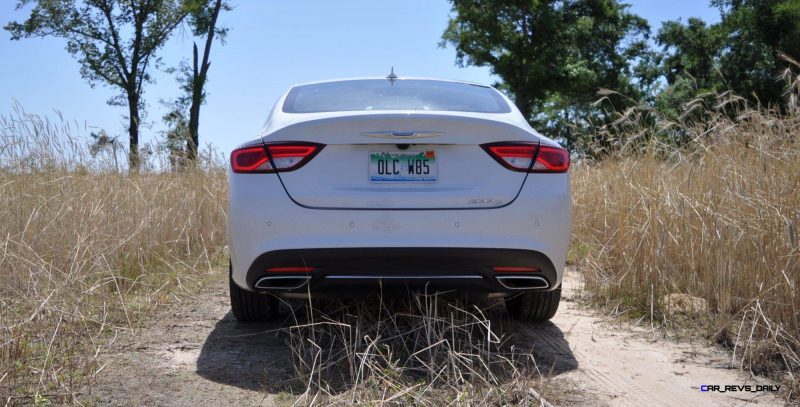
[[346, 193]]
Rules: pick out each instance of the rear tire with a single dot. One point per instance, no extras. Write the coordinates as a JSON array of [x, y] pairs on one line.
[[248, 306], [534, 306]]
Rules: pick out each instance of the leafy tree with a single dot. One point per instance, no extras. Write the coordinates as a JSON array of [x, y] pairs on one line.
[[691, 50], [114, 41], [757, 32], [176, 142], [690, 63], [741, 53], [552, 55]]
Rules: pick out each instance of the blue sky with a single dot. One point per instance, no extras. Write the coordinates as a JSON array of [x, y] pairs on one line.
[[271, 45]]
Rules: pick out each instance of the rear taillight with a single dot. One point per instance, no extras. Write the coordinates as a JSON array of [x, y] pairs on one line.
[[273, 157], [551, 159], [249, 159], [519, 156]]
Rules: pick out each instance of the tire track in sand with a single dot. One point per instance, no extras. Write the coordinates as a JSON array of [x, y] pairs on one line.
[[616, 364]]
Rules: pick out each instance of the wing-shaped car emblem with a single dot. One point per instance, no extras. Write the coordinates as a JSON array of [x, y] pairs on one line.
[[402, 134]]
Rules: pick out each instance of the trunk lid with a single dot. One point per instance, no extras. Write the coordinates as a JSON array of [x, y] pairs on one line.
[[365, 154]]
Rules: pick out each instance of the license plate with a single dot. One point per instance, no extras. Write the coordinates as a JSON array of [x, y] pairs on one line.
[[419, 166]]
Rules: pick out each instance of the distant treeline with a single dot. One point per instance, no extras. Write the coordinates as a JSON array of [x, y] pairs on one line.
[[553, 56]]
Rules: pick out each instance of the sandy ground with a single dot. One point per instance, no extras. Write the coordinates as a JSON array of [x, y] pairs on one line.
[[198, 355]]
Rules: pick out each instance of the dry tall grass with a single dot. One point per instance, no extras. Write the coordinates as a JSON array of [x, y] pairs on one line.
[[718, 219], [421, 350], [86, 252]]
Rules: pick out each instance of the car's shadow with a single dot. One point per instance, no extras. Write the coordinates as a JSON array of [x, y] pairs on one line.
[[258, 357], [548, 345], [252, 356]]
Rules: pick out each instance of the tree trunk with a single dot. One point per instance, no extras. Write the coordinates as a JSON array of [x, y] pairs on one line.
[[133, 131], [521, 97], [194, 110], [198, 82], [524, 105], [194, 125], [526, 110]]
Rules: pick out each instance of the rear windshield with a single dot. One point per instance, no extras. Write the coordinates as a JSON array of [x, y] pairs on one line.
[[404, 94]]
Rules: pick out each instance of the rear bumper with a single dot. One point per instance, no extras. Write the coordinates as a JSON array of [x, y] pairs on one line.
[[264, 221], [356, 270]]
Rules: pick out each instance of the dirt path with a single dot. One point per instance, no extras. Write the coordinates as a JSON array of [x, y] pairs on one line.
[[198, 355], [616, 364]]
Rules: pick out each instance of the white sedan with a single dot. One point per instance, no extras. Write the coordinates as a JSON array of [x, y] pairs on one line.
[[394, 184]]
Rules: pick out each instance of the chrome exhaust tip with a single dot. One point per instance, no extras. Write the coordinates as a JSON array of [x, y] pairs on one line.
[[523, 282], [282, 282]]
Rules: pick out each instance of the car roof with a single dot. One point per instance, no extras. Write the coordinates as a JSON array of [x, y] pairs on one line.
[[399, 78]]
